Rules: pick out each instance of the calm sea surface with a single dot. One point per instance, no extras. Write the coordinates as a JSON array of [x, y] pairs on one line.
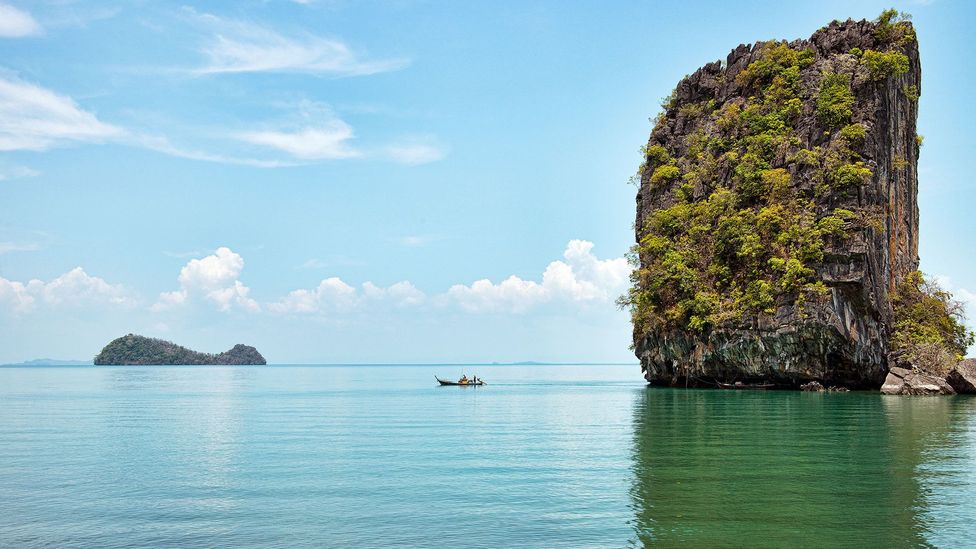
[[543, 456]]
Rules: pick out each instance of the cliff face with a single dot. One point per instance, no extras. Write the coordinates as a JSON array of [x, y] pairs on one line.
[[134, 349], [777, 211]]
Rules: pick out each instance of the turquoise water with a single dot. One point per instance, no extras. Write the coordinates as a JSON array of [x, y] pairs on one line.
[[543, 456]]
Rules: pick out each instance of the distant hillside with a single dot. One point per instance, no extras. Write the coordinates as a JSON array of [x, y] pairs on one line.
[[51, 362], [138, 350]]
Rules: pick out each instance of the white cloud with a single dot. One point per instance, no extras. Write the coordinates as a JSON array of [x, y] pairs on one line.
[[313, 263], [311, 132], [238, 46], [212, 271], [164, 146], [16, 172], [233, 296], [183, 255], [16, 23], [332, 295], [511, 295], [73, 288], [416, 241], [967, 297], [15, 295], [323, 143], [402, 294], [416, 151], [214, 278], [6, 247], [332, 260], [169, 300], [34, 118], [581, 278], [77, 286], [415, 155]]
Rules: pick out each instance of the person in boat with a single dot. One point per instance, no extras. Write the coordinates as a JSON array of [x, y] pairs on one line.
[[464, 378]]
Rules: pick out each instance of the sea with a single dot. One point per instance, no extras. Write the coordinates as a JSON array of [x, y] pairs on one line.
[[541, 456]]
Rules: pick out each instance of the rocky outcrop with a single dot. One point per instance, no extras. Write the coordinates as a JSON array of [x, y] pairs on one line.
[[134, 349], [835, 328], [962, 378], [901, 381]]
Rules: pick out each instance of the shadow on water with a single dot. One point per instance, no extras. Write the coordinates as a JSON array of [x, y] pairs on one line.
[[758, 468]]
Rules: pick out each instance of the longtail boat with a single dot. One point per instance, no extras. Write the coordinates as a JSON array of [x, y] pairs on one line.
[[464, 383], [746, 386]]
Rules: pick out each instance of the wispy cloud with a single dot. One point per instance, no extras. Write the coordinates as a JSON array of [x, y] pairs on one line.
[[416, 150], [183, 255], [7, 247], [313, 263], [325, 143], [16, 23], [16, 172], [79, 14], [37, 119], [238, 46], [335, 260], [164, 146], [416, 241], [34, 118], [311, 131]]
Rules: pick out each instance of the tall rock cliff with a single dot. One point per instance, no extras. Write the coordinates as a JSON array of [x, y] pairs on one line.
[[777, 211]]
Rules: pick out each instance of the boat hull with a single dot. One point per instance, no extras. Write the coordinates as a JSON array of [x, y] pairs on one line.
[[456, 384]]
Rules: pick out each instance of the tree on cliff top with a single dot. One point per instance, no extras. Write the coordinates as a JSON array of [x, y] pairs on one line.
[[929, 331]]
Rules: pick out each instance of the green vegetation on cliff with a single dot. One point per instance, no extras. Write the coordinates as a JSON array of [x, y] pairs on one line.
[[135, 349], [929, 332], [754, 236], [755, 207]]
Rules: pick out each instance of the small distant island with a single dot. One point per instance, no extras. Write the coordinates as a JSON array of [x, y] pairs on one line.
[[134, 349]]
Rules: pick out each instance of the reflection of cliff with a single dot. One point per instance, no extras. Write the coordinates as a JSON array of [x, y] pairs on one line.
[[787, 469], [937, 438]]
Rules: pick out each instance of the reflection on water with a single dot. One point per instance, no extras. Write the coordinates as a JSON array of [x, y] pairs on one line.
[[315, 457], [788, 469], [570, 456]]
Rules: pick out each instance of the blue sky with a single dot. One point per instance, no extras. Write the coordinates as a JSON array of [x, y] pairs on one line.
[[374, 181]]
